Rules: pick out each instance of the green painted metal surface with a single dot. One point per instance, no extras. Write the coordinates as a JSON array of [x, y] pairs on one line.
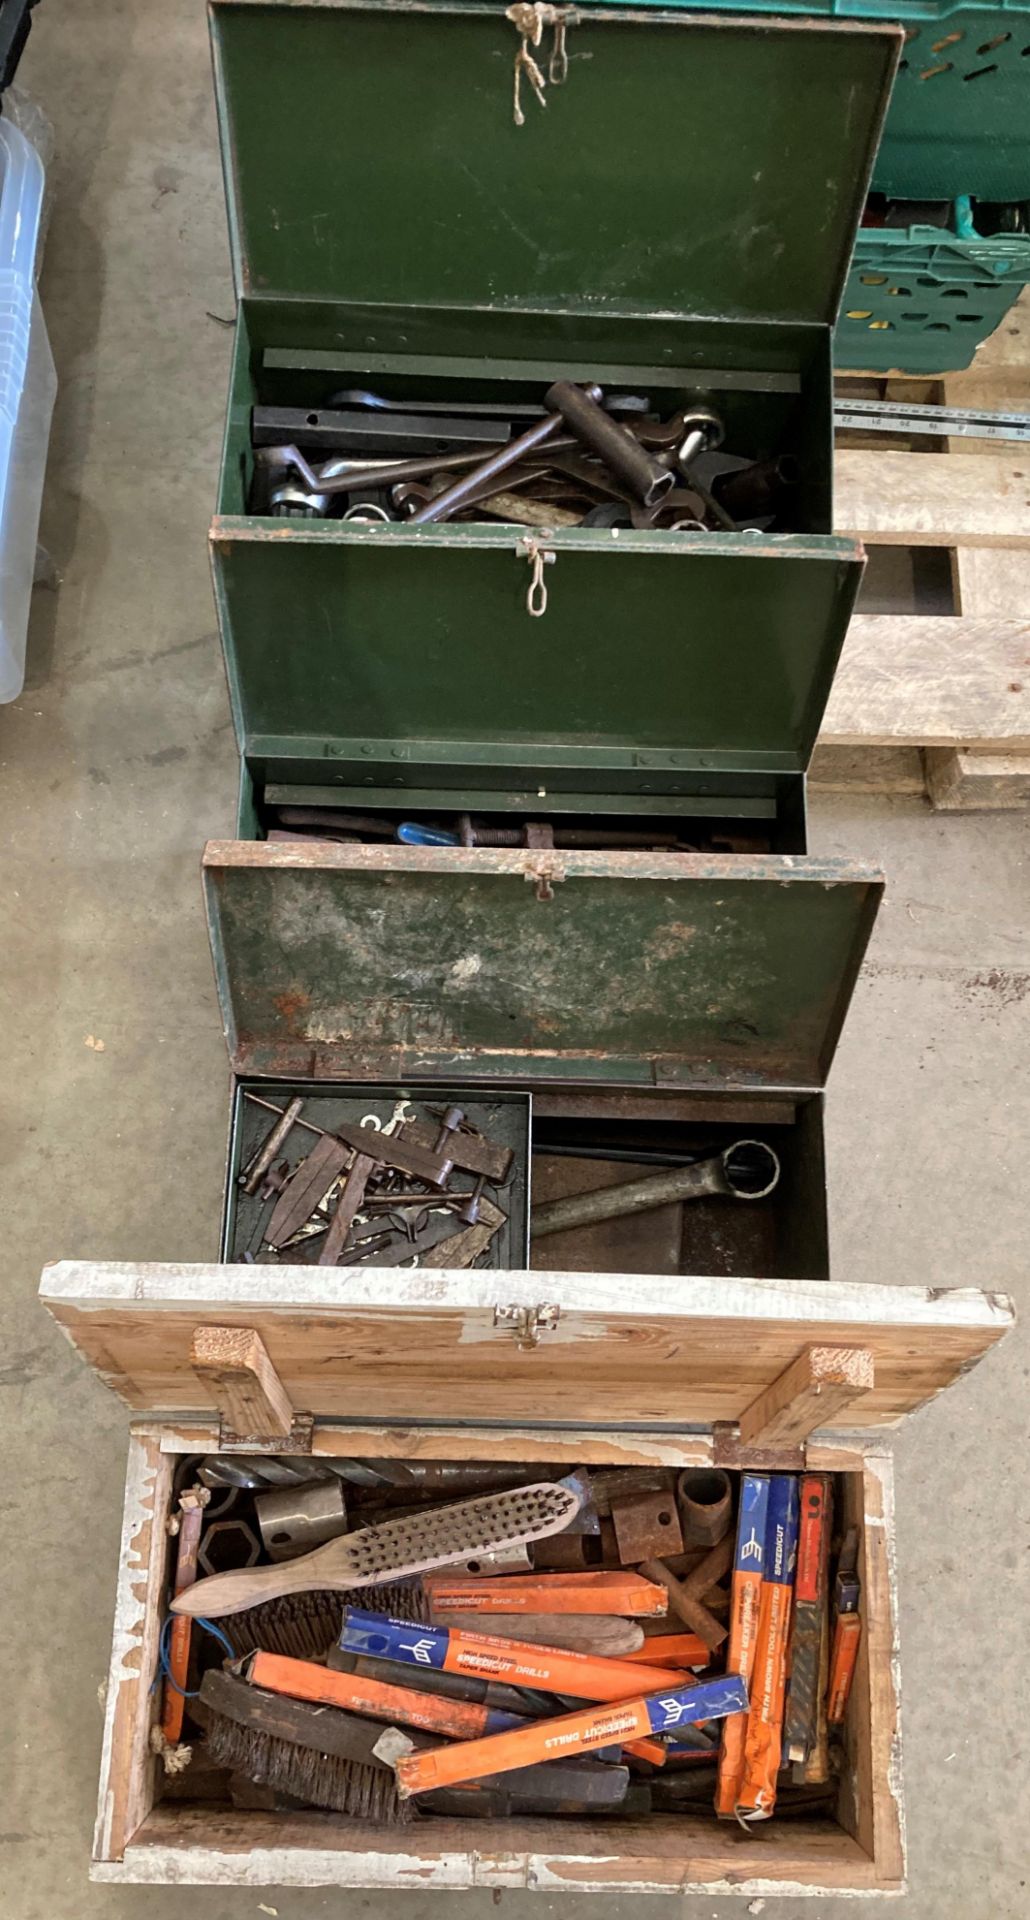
[[371, 156], [959, 117], [392, 224], [921, 300], [653, 970], [415, 645]]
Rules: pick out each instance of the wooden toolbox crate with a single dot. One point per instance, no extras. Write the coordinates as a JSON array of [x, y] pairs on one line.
[[385, 1361]]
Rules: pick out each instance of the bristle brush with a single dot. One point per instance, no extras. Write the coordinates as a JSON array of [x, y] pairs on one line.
[[316, 1754], [396, 1550]]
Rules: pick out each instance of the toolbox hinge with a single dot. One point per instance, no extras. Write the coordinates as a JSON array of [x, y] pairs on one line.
[[740, 1456], [528, 1323], [298, 1440]]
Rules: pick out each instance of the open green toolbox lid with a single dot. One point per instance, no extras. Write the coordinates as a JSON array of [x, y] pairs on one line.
[[651, 655], [679, 217], [528, 968], [688, 166]]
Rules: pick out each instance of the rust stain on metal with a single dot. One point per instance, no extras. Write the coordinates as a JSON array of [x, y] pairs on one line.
[[321, 856], [291, 1005], [668, 942]]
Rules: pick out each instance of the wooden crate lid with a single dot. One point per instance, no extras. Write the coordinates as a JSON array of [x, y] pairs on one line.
[[402, 1346]]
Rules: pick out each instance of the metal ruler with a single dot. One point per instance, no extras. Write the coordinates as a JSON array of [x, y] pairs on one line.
[[880, 416]]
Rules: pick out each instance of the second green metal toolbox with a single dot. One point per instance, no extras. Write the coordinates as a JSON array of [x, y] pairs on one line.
[[393, 229]]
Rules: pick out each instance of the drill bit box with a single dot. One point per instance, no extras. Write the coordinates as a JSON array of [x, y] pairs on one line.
[[673, 228]]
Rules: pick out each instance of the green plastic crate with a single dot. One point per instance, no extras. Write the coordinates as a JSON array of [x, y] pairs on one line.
[[959, 118], [921, 299]]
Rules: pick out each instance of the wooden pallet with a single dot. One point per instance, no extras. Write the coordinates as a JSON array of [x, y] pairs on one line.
[[941, 704]]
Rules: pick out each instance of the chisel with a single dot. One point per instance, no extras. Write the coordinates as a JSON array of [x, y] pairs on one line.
[[673, 1650], [376, 1699], [847, 1630], [604, 1634]]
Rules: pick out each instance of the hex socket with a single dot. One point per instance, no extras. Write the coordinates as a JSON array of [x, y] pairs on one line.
[[638, 470], [293, 1520], [704, 1498]]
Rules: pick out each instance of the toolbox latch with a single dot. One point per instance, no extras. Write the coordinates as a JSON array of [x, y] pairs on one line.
[[528, 1323], [255, 1410]]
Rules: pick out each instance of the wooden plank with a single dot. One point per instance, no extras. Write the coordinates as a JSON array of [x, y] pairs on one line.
[[866, 769], [395, 1344], [977, 782], [820, 1384], [919, 500], [985, 583], [871, 1804], [923, 681], [689, 1854], [232, 1364], [127, 1766], [991, 584]]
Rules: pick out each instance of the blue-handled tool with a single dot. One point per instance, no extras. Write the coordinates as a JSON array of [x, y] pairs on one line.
[[410, 834]]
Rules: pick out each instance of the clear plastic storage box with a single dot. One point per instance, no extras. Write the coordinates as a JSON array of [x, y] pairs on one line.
[[28, 385]]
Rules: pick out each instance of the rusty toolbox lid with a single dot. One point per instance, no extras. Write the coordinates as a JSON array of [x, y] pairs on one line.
[[528, 967], [688, 164], [393, 1345]]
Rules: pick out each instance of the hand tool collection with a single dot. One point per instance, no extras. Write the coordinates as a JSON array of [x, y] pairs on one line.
[[407, 1646], [286, 823], [419, 1188], [577, 459]]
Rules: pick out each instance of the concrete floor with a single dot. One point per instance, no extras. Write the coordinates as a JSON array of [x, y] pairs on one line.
[[117, 763]]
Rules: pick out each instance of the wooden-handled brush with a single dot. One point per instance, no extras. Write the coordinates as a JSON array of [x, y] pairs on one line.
[[396, 1549]]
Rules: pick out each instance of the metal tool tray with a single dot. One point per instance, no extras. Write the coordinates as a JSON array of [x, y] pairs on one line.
[[503, 1117], [469, 257]]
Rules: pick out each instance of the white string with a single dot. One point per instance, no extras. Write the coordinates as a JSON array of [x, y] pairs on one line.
[[529, 18]]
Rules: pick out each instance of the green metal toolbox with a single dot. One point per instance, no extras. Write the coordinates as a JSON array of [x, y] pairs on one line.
[[391, 226]]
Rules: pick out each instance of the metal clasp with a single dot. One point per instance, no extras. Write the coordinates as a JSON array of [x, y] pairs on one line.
[[539, 557], [528, 1323]]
